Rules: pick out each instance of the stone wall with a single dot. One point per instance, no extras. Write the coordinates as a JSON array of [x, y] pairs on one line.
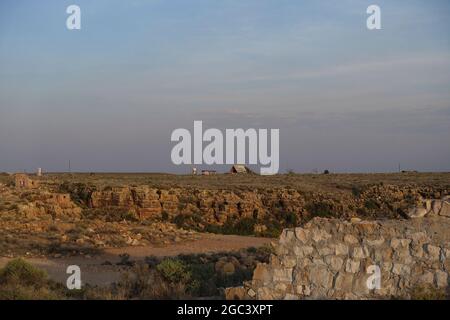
[[333, 259]]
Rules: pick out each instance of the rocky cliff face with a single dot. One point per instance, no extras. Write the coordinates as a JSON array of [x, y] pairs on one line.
[[329, 259], [262, 210], [39, 203]]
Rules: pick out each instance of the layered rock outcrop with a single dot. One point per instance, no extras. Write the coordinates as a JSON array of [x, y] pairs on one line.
[[215, 206], [334, 259], [47, 203]]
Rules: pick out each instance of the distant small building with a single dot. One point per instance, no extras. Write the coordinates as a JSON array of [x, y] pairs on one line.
[[22, 180], [240, 168], [39, 172], [208, 172]]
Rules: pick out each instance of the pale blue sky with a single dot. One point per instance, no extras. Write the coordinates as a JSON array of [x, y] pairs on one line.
[[108, 96]]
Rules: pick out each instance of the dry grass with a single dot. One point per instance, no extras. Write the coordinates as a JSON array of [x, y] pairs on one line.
[[305, 182]]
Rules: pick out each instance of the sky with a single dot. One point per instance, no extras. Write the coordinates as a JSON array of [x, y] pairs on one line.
[[107, 97]]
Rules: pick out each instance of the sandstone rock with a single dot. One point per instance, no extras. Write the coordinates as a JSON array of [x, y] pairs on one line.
[[445, 209], [334, 262], [436, 206], [367, 227], [350, 239], [430, 207], [281, 287], [375, 242], [426, 278], [341, 249], [318, 261], [261, 273], [417, 213], [419, 237], [291, 296], [360, 252], [264, 293], [441, 279], [320, 235], [325, 251], [287, 236], [282, 274], [236, 293], [402, 255], [301, 251], [251, 293], [289, 262], [355, 220], [303, 290], [302, 235], [433, 252], [352, 266], [417, 250], [400, 243], [401, 269], [320, 276], [360, 287], [344, 282]]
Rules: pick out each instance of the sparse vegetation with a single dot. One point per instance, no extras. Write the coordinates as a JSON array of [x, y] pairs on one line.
[[320, 209], [186, 276], [371, 204], [20, 280], [174, 270], [218, 204]]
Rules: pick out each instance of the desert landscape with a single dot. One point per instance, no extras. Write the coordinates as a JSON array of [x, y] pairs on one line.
[[233, 236], [226, 153]]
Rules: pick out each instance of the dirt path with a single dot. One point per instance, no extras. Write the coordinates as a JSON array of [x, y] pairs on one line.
[[94, 272]]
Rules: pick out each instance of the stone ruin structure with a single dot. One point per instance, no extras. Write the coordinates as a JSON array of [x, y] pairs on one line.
[[22, 180], [335, 259]]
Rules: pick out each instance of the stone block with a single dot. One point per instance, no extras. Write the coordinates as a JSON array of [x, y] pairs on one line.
[[341, 249], [433, 252], [335, 263], [302, 235], [441, 279], [282, 274], [350, 239], [352, 266]]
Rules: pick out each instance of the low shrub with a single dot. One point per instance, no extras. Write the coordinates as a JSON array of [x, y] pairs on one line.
[[356, 191], [320, 209], [18, 271], [19, 280], [173, 270], [371, 204]]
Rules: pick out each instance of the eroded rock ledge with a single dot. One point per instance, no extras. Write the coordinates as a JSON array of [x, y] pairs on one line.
[[329, 259]]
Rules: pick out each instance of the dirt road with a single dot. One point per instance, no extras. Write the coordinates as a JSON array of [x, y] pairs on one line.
[[94, 272]]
